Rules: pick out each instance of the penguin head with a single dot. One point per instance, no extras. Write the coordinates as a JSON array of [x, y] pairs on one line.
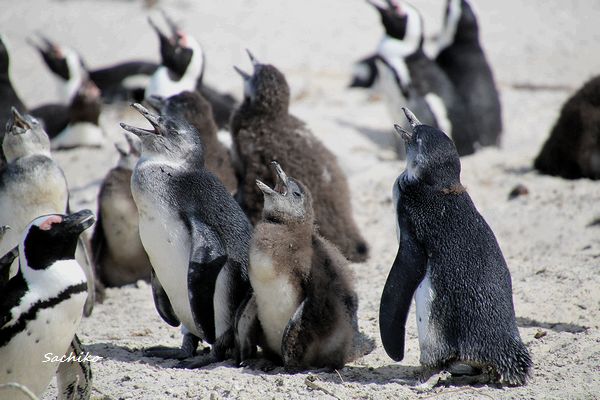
[[180, 50], [53, 237], [191, 106], [265, 90], [289, 201], [364, 73], [401, 21], [460, 24], [431, 156], [24, 136], [86, 104], [63, 61], [171, 139]]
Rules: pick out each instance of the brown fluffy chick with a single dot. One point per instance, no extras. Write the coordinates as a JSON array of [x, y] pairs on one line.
[[263, 130]]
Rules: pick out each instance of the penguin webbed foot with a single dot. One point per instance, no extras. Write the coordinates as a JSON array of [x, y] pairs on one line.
[[259, 364], [187, 350], [199, 361]]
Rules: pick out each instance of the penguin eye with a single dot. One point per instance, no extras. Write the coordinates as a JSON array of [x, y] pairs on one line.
[[297, 194]]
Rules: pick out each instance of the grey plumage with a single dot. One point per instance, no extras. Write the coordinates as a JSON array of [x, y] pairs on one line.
[[450, 260]]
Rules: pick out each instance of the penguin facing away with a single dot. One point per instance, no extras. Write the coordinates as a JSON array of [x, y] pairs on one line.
[[41, 309], [117, 250], [32, 184], [194, 108], [462, 58], [303, 310], [449, 259], [196, 237], [412, 79], [262, 129]]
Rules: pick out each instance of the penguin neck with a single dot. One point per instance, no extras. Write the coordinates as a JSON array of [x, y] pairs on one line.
[[67, 89]]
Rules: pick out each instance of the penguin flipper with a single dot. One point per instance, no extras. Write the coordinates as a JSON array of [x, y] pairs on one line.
[[207, 258], [162, 302], [5, 263], [74, 378], [405, 276]]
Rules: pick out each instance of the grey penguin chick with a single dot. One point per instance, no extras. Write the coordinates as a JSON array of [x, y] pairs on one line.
[[462, 57], [196, 110], [117, 249], [41, 308], [196, 236], [304, 299], [32, 184], [449, 259], [262, 129]]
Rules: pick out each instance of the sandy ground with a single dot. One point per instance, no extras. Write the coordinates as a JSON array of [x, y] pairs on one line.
[[552, 250]]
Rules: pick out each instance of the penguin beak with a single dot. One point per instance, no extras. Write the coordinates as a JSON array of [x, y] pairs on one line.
[[267, 191], [245, 76], [18, 124], [155, 121], [253, 59], [281, 185], [405, 135], [79, 221], [3, 230], [414, 122], [255, 64], [379, 5]]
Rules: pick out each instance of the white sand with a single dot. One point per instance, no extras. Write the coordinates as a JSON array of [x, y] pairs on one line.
[[553, 256]]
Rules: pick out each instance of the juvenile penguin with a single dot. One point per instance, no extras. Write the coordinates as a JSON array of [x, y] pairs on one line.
[[449, 260], [196, 236], [573, 148], [116, 82], [182, 69], [117, 250], [41, 308], [32, 184], [8, 96], [313, 321], [83, 129], [194, 108], [262, 129], [462, 58], [410, 78]]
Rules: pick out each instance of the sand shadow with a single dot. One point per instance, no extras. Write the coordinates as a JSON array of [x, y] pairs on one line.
[[383, 138], [553, 326]]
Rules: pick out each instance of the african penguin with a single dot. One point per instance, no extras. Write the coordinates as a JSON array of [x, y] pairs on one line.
[[117, 250], [116, 82], [194, 108], [461, 57], [449, 260], [304, 304], [32, 184], [8, 96], [572, 149], [262, 129], [411, 79], [41, 308], [196, 236]]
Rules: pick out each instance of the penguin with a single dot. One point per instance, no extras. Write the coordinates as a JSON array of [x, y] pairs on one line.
[[117, 250], [116, 82], [41, 309], [313, 322], [32, 184], [365, 73], [196, 236], [83, 129], [182, 69], [262, 129], [462, 58], [450, 261], [410, 78], [572, 149], [8, 96], [194, 108]]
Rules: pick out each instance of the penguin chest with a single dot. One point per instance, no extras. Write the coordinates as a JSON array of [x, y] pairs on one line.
[[276, 297], [167, 243], [424, 296], [121, 226], [161, 84]]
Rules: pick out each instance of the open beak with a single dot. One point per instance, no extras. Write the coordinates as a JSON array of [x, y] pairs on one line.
[[154, 120], [405, 135], [281, 182], [255, 63], [414, 122], [18, 121], [156, 102]]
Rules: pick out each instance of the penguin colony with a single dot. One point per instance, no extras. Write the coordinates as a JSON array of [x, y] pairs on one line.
[[247, 246]]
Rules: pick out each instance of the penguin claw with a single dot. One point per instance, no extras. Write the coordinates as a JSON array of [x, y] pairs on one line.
[[195, 363]]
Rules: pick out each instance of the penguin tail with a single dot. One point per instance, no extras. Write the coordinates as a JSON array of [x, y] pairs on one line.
[[515, 368]]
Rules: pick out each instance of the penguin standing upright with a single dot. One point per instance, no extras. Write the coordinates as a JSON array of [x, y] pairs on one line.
[[262, 129], [117, 250], [196, 235], [461, 56], [32, 184], [41, 308], [304, 304], [194, 108], [412, 79], [449, 259], [8, 96]]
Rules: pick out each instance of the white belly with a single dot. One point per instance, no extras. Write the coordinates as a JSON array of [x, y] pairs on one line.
[[423, 298], [51, 332], [79, 134], [276, 298], [162, 85], [168, 245]]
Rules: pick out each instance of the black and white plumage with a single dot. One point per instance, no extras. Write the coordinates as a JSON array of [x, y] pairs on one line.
[[449, 260], [41, 308], [195, 234], [462, 58], [8, 96]]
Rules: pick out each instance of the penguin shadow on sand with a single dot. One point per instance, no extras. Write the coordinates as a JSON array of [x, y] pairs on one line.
[[383, 138], [524, 322]]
